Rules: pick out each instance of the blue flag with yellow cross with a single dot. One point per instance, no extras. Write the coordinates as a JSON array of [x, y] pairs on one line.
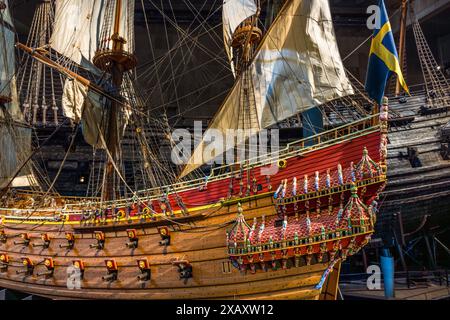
[[383, 59]]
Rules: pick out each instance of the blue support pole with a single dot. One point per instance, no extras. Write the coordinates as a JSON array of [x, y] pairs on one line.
[[388, 269]]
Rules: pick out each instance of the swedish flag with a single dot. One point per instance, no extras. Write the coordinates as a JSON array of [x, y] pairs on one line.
[[383, 59]]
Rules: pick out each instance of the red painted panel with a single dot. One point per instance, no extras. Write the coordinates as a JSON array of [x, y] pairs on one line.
[[320, 160]]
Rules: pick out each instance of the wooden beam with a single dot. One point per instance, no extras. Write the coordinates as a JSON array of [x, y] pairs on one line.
[[402, 46]]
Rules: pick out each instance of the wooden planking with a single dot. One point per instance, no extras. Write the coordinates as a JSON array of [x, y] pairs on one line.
[[294, 279], [416, 191], [204, 248], [330, 288], [164, 275], [287, 294]]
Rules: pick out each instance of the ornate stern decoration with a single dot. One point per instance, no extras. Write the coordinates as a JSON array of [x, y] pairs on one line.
[[367, 168], [357, 214], [302, 240], [326, 221], [238, 235], [384, 117]]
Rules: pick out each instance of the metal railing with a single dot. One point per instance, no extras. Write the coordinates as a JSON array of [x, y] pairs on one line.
[[410, 279]]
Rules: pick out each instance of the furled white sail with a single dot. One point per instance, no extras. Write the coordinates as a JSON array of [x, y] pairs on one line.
[[297, 67], [80, 28], [15, 138], [6, 14], [126, 26], [15, 143], [8, 64], [24, 181], [85, 106], [80, 31], [76, 30], [234, 12], [76, 35], [89, 108]]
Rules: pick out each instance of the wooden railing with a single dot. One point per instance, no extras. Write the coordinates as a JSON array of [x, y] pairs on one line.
[[319, 141], [303, 146]]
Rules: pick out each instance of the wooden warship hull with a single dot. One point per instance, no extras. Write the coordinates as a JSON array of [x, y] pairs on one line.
[[205, 251], [198, 236], [425, 189]]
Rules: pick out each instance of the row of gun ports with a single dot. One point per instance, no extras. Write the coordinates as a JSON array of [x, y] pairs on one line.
[[132, 243], [77, 270]]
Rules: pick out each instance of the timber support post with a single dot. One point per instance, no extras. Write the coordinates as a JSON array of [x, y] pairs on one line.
[[364, 255], [432, 262], [402, 231], [446, 277], [401, 244]]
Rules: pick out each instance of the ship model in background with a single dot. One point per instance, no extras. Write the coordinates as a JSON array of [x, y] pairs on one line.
[[237, 232]]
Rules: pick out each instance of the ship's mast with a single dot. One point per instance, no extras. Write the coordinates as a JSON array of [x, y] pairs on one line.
[[116, 61], [402, 43], [245, 40]]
